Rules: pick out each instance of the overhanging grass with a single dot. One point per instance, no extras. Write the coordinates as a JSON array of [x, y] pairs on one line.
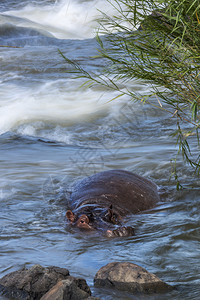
[[164, 53]]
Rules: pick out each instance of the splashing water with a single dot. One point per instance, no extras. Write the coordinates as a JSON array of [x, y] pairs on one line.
[[66, 19]]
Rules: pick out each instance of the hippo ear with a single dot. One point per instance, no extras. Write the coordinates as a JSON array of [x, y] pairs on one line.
[[70, 216], [110, 210], [113, 216]]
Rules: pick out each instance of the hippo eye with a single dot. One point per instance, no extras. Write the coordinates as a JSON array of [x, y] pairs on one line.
[[114, 219]]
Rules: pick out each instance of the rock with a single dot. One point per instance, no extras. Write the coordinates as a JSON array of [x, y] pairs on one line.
[[129, 277], [69, 289], [34, 283]]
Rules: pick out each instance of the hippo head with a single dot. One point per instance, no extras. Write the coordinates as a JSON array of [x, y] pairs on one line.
[[90, 217], [103, 219]]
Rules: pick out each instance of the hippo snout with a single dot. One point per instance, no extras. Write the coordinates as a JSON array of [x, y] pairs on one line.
[[121, 231]]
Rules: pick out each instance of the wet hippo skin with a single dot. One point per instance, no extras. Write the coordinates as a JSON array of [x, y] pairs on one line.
[[102, 200]]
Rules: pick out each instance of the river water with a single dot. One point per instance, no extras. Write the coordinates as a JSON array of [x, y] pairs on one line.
[[52, 133]]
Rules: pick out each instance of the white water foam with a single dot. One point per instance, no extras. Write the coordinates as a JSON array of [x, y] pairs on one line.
[[25, 108], [54, 102], [66, 19]]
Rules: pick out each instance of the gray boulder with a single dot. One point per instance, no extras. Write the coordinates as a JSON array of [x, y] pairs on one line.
[[129, 277], [69, 289], [33, 283]]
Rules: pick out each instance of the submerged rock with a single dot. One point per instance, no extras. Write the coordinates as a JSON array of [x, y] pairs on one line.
[[129, 277], [33, 283]]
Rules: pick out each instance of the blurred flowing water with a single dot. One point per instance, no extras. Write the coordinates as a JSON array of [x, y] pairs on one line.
[[53, 133]]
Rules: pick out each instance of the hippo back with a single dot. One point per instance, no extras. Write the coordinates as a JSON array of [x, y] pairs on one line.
[[127, 192]]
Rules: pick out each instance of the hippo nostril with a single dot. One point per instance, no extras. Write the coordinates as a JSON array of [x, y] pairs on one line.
[[121, 231]]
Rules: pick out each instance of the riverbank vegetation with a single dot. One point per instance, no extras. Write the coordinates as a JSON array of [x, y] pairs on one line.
[[158, 43]]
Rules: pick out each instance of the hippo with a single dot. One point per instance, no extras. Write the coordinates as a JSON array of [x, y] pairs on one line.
[[101, 201]]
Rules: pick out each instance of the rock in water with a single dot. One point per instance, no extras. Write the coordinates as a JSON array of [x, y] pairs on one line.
[[33, 283], [129, 277], [69, 289]]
